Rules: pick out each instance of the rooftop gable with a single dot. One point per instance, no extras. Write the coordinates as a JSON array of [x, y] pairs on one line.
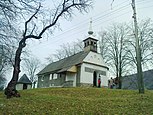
[[95, 58], [24, 79]]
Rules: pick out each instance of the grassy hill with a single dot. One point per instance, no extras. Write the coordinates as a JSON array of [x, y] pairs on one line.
[[78, 101]]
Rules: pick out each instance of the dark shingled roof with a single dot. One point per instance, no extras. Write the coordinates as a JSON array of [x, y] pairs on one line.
[[64, 63], [24, 79]]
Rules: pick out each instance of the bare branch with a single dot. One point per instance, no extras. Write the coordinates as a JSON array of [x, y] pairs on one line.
[[26, 23], [64, 10]]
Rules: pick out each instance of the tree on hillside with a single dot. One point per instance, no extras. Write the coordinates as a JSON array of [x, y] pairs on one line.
[[11, 12], [5, 64], [2, 68], [31, 67], [146, 40], [118, 48], [66, 50], [32, 31], [8, 33], [113, 49], [145, 32], [145, 28]]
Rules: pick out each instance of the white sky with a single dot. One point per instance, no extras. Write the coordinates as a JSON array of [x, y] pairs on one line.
[[102, 15]]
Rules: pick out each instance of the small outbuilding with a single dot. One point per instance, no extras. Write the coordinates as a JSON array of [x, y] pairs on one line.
[[24, 83]]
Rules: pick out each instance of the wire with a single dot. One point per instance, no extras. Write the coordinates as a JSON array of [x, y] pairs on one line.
[[101, 17], [141, 1], [106, 15], [81, 31], [146, 7], [85, 21], [96, 19]]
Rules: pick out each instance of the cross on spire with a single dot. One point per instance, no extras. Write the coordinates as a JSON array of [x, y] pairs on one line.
[[90, 32]]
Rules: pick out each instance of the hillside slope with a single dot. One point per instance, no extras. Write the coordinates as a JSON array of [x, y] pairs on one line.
[[77, 101]]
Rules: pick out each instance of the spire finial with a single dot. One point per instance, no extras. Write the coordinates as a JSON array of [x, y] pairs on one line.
[[90, 32]]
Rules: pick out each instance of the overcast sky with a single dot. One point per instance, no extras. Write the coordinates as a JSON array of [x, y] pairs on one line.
[[102, 14]]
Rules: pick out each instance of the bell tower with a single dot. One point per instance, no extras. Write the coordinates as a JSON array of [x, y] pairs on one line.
[[90, 43]]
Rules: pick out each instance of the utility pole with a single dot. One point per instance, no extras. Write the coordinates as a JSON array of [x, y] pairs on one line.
[[138, 52]]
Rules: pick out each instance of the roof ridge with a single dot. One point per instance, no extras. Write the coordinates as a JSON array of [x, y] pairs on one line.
[[65, 62]]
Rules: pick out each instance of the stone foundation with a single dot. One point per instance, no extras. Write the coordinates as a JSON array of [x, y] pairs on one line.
[[86, 85], [68, 84]]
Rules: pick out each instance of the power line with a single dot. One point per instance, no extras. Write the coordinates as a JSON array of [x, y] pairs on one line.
[[146, 7], [104, 16], [85, 21], [96, 19], [141, 1], [81, 31]]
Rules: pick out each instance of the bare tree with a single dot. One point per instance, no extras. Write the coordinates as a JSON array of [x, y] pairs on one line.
[[31, 67], [66, 50], [2, 68], [146, 42], [145, 28], [7, 30], [117, 46], [113, 49], [65, 10], [11, 12], [5, 63]]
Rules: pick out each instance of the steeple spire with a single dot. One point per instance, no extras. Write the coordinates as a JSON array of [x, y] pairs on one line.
[[90, 43], [90, 32]]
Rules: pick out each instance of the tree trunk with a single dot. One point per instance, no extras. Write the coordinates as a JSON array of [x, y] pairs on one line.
[[120, 75], [34, 83], [120, 83], [10, 90]]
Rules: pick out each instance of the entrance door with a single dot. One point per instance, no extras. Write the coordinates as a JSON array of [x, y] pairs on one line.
[[94, 79], [24, 86]]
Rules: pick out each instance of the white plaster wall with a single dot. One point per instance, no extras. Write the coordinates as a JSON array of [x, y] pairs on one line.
[[87, 77], [19, 87], [29, 87], [71, 77]]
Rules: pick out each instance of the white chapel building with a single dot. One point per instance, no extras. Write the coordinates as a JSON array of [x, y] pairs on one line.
[[79, 70]]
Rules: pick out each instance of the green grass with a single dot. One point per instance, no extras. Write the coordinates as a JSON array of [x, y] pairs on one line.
[[78, 101]]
